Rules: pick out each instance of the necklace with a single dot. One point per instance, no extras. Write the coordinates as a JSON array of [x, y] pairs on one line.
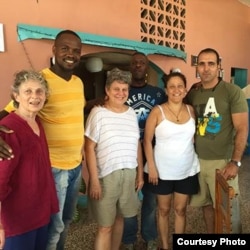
[[173, 113]]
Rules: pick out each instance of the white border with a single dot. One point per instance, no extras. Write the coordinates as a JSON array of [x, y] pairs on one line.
[[1, 38]]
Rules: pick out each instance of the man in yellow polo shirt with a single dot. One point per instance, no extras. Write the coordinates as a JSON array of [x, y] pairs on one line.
[[63, 121]]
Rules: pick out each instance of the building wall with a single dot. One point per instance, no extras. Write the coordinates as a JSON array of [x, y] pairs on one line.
[[221, 24]]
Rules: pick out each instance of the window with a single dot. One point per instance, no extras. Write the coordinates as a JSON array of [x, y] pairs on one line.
[[163, 23]]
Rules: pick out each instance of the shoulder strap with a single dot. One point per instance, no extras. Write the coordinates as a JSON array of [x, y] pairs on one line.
[[188, 110], [162, 113]]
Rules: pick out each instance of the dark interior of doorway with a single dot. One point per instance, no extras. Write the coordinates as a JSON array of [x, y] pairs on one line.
[[94, 82]]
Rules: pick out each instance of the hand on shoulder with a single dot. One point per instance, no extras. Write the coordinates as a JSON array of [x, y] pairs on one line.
[[5, 150]]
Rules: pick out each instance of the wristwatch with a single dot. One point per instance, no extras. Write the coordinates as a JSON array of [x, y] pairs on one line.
[[236, 163]]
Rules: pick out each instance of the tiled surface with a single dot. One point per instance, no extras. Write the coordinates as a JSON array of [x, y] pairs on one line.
[[81, 234]]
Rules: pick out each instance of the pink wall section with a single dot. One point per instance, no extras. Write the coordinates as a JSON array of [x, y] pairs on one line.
[[221, 24]]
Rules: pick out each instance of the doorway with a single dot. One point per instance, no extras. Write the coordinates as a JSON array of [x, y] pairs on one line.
[[94, 80]]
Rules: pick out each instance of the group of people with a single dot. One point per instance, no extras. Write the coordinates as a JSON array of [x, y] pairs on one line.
[[165, 142]]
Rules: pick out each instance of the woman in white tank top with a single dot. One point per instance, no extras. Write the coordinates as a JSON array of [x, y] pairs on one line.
[[172, 165]]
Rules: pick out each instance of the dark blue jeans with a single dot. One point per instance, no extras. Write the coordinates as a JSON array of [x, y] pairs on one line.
[[148, 219], [32, 240]]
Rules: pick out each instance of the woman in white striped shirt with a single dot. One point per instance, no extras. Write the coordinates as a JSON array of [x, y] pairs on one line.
[[114, 161]]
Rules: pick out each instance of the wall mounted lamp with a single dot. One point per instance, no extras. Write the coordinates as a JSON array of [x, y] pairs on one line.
[[94, 64]]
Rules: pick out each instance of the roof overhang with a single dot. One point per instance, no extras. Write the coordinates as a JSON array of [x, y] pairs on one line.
[[26, 31]]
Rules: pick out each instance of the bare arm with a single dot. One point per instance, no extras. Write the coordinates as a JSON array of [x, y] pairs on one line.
[[2, 236], [139, 178], [241, 125], [3, 113], [94, 102], [95, 191], [240, 121], [191, 109], [5, 150], [149, 132]]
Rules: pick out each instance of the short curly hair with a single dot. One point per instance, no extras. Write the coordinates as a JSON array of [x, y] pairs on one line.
[[118, 75], [23, 76]]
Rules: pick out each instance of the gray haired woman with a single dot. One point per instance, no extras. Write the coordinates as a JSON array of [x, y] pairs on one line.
[[27, 189], [114, 161]]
